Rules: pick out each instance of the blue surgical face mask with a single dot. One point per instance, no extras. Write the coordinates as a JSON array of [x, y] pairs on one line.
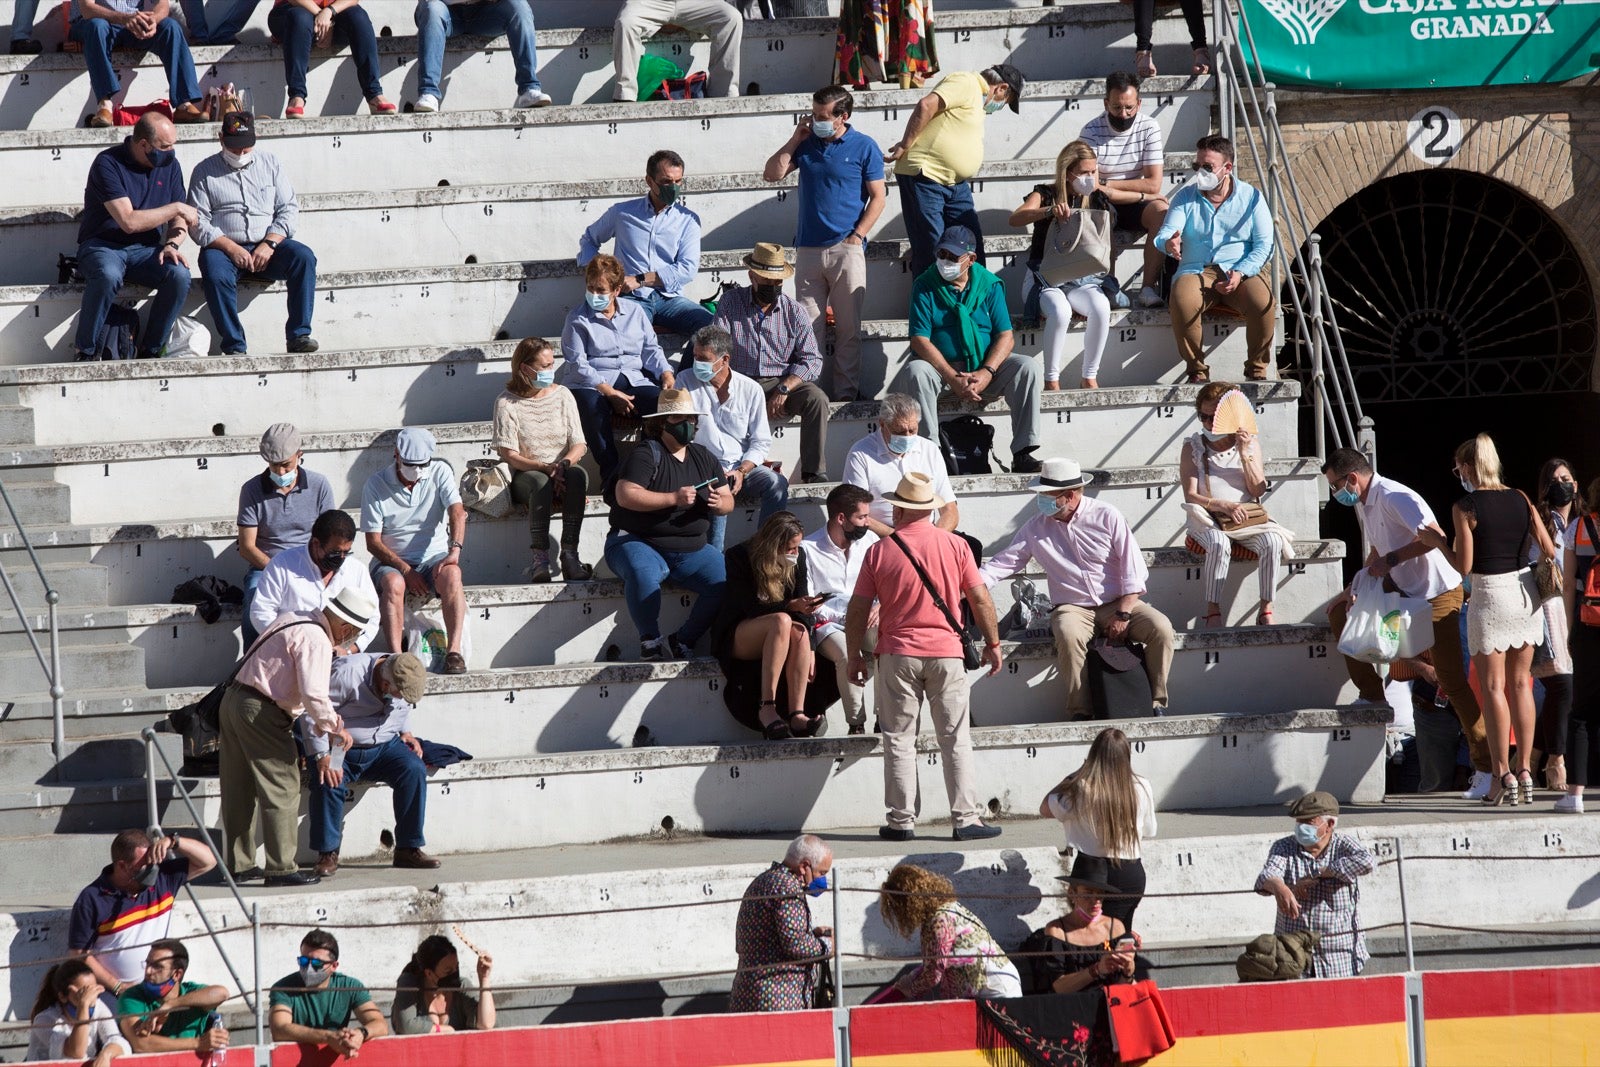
[[900, 443], [1347, 496], [1466, 486], [991, 106], [822, 130], [817, 886], [1307, 834], [544, 379], [1045, 504], [597, 301], [160, 157], [704, 370], [284, 480]]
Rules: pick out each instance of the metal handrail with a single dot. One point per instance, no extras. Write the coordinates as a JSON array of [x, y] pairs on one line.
[[52, 666], [257, 1006], [1247, 103]]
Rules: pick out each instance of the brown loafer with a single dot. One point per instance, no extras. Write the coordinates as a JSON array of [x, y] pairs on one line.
[[188, 113], [414, 859], [102, 118], [455, 663], [327, 863]]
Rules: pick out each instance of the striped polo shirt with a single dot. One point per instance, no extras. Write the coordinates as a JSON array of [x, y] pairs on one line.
[[1123, 156], [117, 926]]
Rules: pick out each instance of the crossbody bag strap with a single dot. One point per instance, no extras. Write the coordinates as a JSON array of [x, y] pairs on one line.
[[927, 583], [237, 667]]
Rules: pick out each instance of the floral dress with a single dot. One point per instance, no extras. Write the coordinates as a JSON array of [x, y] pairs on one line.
[[960, 959], [880, 40]]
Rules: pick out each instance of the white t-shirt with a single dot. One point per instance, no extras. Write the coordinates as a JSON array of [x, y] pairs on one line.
[[1082, 838], [874, 468], [1123, 156], [1390, 517]]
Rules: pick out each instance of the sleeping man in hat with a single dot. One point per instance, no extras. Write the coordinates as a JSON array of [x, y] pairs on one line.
[[247, 217], [1312, 874], [1096, 577]]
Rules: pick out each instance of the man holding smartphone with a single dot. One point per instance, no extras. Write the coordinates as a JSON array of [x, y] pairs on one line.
[[164, 1013]]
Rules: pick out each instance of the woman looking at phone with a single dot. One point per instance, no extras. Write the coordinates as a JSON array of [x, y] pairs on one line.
[[1082, 949]]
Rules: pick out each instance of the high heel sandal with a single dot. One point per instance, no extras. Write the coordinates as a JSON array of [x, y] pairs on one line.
[[1525, 787], [778, 728], [1264, 618], [1206, 622], [1504, 791]]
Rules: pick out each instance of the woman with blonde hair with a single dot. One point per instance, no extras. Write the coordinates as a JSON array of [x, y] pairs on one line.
[[538, 434], [1106, 810], [959, 957], [1495, 527], [1076, 187]]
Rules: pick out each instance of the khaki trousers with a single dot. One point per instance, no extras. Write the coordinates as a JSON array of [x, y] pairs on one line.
[[903, 682], [1194, 294], [835, 277], [259, 766], [1075, 627]]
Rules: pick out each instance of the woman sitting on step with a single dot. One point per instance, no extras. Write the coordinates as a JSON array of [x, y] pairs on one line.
[[959, 956], [1084, 949], [538, 433], [71, 1019], [431, 998], [297, 25], [1220, 474]]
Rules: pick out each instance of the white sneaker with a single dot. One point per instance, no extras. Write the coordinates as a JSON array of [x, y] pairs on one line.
[[426, 104], [1571, 804], [1479, 786], [533, 98], [1150, 297]]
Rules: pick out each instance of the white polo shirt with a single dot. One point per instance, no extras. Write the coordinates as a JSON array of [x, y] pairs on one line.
[[1390, 516], [831, 569], [293, 583], [737, 430], [874, 468]]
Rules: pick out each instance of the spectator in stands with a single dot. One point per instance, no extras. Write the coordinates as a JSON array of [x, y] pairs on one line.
[[778, 948], [306, 578], [1583, 728], [375, 696], [277, 509], [959, 957], [416, 526], [1144, 21], [130, 904], [134, 221], [1106, 810], [71, 1019], [317, 1005], [1220, 474], [665, 494], [430, 998], [883, 456], [1312, 876], [282, 678], [1391, 514], [246, 220], [614, 363], [298, 24], [841, 198], [1552, 662], [164, 1013], [639, 19], [940, 152], [833, 563], [658, 244], [1131, 154], [142, 26], [920, 656], [773, 342], [439, 20], [736, 431], [1076, 167], [194, 14], [1220, 232], [1096, 576], [961, 344], [539, 434], [22, 16], [1494, 526], [1087, 947]]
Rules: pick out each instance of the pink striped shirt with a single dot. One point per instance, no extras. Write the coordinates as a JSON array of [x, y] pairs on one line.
[[291, 668]]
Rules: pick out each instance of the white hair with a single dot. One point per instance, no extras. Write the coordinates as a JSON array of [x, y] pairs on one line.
[[896, 406], [808, 849]]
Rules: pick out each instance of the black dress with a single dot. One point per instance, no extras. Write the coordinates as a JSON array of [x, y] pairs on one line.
[[1043, 958]]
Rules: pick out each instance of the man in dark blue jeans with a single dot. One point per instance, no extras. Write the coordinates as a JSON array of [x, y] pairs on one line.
[[134, 221], [103, 25]]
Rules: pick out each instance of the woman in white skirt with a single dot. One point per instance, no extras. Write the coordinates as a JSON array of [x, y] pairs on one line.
[[1495, 528]]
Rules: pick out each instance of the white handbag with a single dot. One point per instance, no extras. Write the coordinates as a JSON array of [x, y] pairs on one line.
[[1077, 246], [486, 487]]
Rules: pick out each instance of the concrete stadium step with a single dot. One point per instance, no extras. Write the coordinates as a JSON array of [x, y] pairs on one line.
[[77, 584], [490, 223], [474, 147], [82, 666], [38, 502], [16, 425], [779, 56]]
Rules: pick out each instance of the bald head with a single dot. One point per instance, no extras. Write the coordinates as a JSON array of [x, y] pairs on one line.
[[153, 125]]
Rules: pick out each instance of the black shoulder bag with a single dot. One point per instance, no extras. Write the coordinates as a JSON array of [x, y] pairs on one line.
[[971, 651]]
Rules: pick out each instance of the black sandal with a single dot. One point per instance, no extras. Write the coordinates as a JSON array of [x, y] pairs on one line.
[[778, 729]]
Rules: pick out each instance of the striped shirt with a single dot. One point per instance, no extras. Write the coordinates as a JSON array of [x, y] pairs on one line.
[[769, 344], [1123, 156], [118, 926]]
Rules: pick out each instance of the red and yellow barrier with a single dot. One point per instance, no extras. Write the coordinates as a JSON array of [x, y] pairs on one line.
[[1530, 1018]]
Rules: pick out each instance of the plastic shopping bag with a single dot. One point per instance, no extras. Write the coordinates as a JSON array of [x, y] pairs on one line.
[[427, 639], [1372, 628], [1416, 627]]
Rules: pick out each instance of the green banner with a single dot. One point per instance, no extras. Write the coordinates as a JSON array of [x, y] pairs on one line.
[[1423, 44]]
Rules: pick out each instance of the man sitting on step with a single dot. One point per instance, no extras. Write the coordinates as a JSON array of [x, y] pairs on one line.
[[375, 695], [439, 20], [278, 509], [883, 456], [1096, 576], [307, 577], [1129, 149], [247, 213], [638, 19], [164, 1013], [319, 1005], [144, 25], [961, 343]]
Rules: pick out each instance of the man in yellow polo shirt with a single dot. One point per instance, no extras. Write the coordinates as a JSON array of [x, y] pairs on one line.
[[942, 149]]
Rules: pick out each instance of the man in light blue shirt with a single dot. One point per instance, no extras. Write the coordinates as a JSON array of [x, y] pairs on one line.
[[404, 508], [658, 242], [1220, 232]]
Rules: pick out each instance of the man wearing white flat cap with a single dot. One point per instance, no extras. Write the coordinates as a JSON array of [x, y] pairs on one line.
[[1096, 576]]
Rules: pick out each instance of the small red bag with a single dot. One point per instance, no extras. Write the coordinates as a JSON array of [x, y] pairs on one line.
[[1139, 1024]]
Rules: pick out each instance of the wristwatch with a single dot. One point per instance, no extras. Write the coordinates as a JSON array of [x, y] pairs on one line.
[[782, 390], [1392, 558], [1124, 615]]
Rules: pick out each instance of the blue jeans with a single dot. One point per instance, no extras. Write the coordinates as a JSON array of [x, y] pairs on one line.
[[929, 209], [674, 314], [22, 19], [105, 267], [99, 37], [437, 21], [391, 762], [292, 262], [292, 25], [643, 568], [194, 12], [594, 413], [764, 487], [252, 578]]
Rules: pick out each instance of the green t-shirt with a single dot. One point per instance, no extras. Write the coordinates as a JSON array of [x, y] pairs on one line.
[[185, 1022], [328, 1007]]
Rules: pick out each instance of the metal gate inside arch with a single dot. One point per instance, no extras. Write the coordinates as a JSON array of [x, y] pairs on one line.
[[1448, 284]]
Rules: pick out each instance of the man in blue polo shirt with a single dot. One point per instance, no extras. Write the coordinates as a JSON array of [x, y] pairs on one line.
[[404, 509], [841, 197], [134, 221], [277, 509]]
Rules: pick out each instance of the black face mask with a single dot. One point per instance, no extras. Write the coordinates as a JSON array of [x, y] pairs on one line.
[[1120, 123], [683, 432], [450, 981], [1560, 494], [854, 533], [332, 561], [768, 294]]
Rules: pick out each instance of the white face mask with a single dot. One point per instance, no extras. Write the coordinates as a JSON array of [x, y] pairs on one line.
[[1206, 180], [792, 557], [949, 270], [822, 130], [1084, 184], [411, 473], [237, 161]]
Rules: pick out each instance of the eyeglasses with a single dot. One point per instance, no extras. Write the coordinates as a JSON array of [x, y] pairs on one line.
[[314, 963]]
